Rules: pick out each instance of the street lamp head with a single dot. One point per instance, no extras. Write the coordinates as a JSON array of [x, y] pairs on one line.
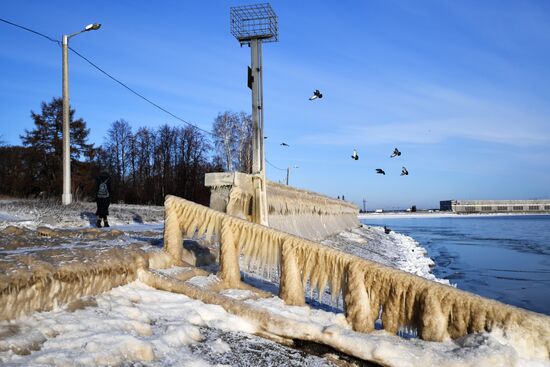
[[92, 27]]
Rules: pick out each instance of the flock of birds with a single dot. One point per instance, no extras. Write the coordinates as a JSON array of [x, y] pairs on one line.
[[396, 153]]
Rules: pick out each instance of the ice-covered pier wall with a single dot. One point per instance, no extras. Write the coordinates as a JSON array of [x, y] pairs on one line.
[[295, 211], [437, 311]]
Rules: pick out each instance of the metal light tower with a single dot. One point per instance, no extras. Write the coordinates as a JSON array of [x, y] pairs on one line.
[[67, 197], [253, 25]]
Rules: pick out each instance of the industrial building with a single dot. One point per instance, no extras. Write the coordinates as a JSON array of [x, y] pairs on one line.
[[495, 206]]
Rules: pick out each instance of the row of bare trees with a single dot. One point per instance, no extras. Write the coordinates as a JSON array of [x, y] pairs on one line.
[[151, 163], [145, 164]]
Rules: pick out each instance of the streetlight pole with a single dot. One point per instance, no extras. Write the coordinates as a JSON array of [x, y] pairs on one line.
[[288, 173], [66, 198]]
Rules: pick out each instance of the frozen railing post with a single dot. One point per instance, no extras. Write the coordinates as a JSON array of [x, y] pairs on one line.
[[356, 300], [229, 256], [173, 237], [291, 289]]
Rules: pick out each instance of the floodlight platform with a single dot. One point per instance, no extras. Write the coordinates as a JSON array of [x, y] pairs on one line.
[[257, 21]]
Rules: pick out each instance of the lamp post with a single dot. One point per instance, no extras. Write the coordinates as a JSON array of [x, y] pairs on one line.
[[288, 173], [66, 198], [254, 25]]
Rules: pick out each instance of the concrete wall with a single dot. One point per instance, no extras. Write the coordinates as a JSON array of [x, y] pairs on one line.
[[496, 206], [295, 211]]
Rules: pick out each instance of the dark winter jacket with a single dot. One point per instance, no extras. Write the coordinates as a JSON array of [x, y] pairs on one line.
[[104, 194]]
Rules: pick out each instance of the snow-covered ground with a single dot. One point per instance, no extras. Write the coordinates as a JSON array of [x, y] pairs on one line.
[[136, 325], [34, 213], [392, 249]]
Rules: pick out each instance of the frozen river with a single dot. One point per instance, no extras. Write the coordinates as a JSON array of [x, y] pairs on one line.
[[502, 257]]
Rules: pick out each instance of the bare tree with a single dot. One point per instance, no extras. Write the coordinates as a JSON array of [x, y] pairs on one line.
[[164, 160], [233, 140], [225, 138], [118, 147], [244, 147]]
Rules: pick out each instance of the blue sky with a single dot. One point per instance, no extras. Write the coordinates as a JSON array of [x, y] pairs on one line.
[[462, 88]]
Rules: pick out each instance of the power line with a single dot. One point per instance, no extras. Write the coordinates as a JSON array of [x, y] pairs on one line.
[[272, 165], [121, 83], [138, 94], [109, 76], [32, 31]]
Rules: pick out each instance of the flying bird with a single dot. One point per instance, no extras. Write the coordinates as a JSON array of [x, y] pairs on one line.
[[316, 94], [404, 172], [396, 153], [285, 145], [381, 171], [355, 155]]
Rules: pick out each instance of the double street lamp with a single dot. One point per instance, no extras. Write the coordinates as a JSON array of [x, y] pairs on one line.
[[66, 198]]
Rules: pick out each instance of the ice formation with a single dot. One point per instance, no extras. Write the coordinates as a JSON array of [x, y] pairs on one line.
[[437, 311], [307, 214], [39, 270], [299, 212]]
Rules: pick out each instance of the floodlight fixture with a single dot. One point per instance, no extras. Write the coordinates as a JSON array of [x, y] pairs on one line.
[[257, 21]]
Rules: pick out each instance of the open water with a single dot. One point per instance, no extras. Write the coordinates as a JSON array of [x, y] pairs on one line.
[[506, 258]]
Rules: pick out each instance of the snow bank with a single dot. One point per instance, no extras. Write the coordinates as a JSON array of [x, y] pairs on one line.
[[133, 323]]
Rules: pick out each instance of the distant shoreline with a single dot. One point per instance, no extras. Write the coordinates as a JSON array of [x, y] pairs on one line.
[[390, 215]]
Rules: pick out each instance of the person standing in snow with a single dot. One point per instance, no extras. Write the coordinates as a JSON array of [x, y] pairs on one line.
[[103, 198]]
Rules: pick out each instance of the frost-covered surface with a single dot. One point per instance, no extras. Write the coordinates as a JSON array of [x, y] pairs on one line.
[[392, 249], [135, 323], [34, 213], [138, 325], [480, 350]]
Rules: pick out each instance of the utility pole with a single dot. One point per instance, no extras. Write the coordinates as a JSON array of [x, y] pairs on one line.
[[288, 173], [67, 197], [253, 25]]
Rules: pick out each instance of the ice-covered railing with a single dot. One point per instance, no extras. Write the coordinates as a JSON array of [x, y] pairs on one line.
[[436, 311], [300, 212]]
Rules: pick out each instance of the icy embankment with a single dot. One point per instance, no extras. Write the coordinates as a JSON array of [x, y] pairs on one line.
[[392, 249], [135, 324], [138, 324]]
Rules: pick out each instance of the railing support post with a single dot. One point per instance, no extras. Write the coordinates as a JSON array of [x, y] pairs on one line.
[[230, 271], [356, 300], [433, 323], [291, 288], [173, 238]]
